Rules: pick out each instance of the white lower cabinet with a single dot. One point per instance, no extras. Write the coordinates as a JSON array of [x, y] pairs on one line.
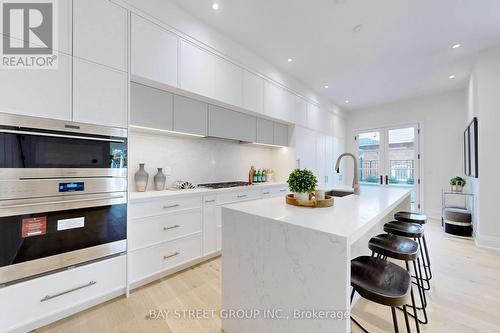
[[157, 259], [34, 303], [210, 225]]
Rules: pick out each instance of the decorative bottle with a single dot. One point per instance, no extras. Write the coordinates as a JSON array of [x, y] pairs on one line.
[[160, 180], [141, 179]]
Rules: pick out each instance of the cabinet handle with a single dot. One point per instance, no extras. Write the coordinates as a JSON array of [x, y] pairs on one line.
[[386, 180], [49, 297], [381, 180], [208, 201], [171, 256], [283, 190], [172, 227], [242, 196], [265, 192], [171, 206]]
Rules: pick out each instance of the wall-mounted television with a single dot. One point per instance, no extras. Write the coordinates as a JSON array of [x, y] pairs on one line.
[[471, 150]]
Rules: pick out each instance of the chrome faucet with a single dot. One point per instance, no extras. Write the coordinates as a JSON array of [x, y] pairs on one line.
[[355, 181]]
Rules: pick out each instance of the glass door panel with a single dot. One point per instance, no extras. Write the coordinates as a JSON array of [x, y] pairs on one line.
[[370, 157]]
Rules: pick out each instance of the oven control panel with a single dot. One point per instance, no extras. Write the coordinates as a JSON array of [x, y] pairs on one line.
[[71, 187]]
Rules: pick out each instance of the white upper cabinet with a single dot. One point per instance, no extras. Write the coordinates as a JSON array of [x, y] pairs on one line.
[[100, 32], [99, 94], [300, 111], [278, 102], [190, 116], [197, 68], [305, 145], [228, 82], [151, 107], [153, 52], [280, 134], [314, 119], [228, 124], [253, 92], [40, 93], [265, 131]]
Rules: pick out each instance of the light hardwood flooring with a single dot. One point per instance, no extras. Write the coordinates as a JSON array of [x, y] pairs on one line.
[[465, 297]]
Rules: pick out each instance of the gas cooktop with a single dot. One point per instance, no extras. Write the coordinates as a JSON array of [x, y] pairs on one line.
[[224, 184]]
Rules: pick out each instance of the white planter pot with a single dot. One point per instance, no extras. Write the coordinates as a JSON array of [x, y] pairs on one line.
[[301, 196]]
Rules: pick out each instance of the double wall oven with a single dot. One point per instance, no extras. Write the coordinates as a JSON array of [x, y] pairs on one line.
[[63, 195]]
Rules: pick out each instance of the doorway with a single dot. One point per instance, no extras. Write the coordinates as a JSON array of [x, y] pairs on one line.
[[390, 156]]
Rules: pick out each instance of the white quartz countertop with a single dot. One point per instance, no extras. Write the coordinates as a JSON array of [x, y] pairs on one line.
[[140, 196], [350, 216]]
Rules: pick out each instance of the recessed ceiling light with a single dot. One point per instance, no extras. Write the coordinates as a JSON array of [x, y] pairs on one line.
[[215, 6], [357, 28], [290, 60], [456, 46], [346, 101], [452, 76], [326, 87]]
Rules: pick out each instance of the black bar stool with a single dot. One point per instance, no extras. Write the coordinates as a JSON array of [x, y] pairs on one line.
[[402, 248], [382, 282], [418, 218]]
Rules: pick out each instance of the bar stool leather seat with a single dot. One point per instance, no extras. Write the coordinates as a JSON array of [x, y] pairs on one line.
[[380, 281], [412, 230], [394, 246], [411, 217]]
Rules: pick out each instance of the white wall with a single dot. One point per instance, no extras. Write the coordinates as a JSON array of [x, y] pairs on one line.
[[442, 118], [484, 103], [200, 160]]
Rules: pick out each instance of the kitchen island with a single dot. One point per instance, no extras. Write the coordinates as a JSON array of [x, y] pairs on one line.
[[287, 268]]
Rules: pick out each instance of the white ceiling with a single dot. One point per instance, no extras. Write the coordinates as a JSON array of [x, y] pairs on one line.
[[403, 49]]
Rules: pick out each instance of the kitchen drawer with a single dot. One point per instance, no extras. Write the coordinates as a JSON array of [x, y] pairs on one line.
[[163, 205], [27, 305], [226, 198], [153, 229], [155, 259]]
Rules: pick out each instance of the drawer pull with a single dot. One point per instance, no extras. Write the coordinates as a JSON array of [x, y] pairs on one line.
[[49, 297], [242, 196], [283, 190], [171, 256], [172, 227], [265, 192], [171, 206], [208, 201]]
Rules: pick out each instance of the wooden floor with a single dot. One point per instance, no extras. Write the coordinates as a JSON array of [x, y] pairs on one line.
[[465, 297]]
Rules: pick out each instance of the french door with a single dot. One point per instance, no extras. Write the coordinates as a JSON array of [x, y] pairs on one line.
[[390, 156]]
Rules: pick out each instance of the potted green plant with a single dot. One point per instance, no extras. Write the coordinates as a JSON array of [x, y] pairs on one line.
[[301, 183], [457, 184]]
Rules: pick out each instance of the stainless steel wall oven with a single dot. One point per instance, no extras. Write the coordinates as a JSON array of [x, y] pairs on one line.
[[63, 195]]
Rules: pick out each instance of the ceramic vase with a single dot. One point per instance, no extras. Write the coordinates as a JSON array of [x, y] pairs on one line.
[[160, 180], [141, 179]]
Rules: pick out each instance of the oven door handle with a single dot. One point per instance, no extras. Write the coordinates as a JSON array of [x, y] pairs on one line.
[[54, 135], [60, 201]]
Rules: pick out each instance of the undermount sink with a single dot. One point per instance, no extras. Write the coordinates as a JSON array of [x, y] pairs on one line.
[[338, 194]]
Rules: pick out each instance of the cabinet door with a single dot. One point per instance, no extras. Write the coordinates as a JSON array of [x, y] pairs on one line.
[[329, 161], [190, 116], [320, 159], [224, 123], [338, 148], [153, 52], [278, 103], [100, 32], [314, 117], [265, 131], [38, 93], [150, 107], [99, 94], [228, 82], [196, 69], [300, 111], [306, 148], [253, 92], [210, 225], [280, 134]]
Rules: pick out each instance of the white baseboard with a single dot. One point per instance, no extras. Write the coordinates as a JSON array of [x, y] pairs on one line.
[[488, 242]]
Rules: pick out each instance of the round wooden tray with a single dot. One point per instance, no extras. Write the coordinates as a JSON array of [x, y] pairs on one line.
[[313, 203]]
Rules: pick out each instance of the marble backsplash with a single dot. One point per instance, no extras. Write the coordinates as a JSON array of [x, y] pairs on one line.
[[198, 160]]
